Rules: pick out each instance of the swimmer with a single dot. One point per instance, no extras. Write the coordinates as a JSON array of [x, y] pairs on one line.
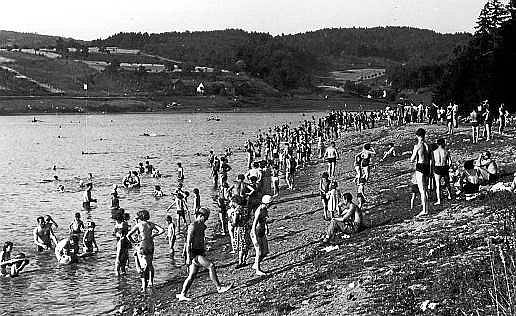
[[157, 191], [115, 202], [122, 250], [17, 263], [43, 235], [171, 234], [180, 173], [86, 197], [67, 250], [195, 253], [88, 241], [77, 226], [144, 228]]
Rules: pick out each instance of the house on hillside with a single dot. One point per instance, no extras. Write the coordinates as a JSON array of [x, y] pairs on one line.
[[203, 69], [200, 89]]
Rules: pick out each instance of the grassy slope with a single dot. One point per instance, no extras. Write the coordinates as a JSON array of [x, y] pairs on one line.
[[390, 269]]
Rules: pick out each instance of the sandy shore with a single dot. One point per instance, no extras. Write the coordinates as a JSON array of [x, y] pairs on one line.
[[400, 265]]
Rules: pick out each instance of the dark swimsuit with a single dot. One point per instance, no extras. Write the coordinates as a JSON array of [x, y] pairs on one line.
[[443, 171], [424, 168]]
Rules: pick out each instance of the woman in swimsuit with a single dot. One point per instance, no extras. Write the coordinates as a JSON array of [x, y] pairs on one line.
[[145, 253], [365, 162]]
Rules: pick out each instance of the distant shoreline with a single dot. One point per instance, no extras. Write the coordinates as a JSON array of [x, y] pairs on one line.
[[43, 106]]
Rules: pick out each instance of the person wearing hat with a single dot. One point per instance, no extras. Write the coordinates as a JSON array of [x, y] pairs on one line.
[[195, 253], [259, 232]]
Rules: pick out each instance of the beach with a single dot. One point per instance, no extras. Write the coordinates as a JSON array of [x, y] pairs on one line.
[[402, 265]]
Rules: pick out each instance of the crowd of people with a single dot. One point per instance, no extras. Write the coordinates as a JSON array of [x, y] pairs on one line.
[[243, 203]]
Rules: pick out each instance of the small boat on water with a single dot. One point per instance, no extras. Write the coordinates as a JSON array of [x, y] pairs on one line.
[[213, 117]]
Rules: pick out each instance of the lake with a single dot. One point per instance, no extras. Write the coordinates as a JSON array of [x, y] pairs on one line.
[[29, 150]]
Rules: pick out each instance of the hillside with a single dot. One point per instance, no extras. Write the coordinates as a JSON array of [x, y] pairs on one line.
[[291, 61], [28, 40]]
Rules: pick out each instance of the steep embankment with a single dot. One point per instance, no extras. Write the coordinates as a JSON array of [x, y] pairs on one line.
[[401, 265]]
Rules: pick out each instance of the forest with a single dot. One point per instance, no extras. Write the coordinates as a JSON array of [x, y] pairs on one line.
[[485, 67], [290, 61]]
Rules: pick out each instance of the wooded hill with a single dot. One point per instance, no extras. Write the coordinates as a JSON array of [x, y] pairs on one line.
[[289, 61]]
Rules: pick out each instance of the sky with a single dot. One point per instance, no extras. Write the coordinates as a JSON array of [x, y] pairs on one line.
[[92, 19]]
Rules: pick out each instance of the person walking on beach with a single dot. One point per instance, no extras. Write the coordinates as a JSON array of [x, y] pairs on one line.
[[331, 156], [324, 188], [422, 157], [145, 253], [259, 232], [442, 163], [195, 254]]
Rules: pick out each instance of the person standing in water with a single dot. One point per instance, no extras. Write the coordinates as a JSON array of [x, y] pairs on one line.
[[195, 254], [145, 229], [86, 197], [77, 226], [422, 157], [43, 235]]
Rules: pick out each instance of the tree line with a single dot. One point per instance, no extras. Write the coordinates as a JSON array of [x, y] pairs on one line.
[[485, 67]]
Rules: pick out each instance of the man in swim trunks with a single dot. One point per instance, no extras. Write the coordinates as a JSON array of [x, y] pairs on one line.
[[195, 253], [86, 197], [331, 156], [442, 163], [423, 157], [349, 223], [145, 253], [43, 235]]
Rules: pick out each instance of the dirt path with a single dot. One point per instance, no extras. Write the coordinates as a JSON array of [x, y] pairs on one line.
[[401, 265]]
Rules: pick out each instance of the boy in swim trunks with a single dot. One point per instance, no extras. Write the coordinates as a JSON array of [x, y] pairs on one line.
[[442, 162], [195, 253], [145, 230], [88, 241]]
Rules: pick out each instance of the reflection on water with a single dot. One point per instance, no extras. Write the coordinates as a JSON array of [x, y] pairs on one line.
[[29, 150]]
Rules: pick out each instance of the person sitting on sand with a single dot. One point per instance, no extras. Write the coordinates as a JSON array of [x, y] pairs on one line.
[[145, 253], [43, 235], [487, 167], [195, 254], [349, 223], [470, 179]]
